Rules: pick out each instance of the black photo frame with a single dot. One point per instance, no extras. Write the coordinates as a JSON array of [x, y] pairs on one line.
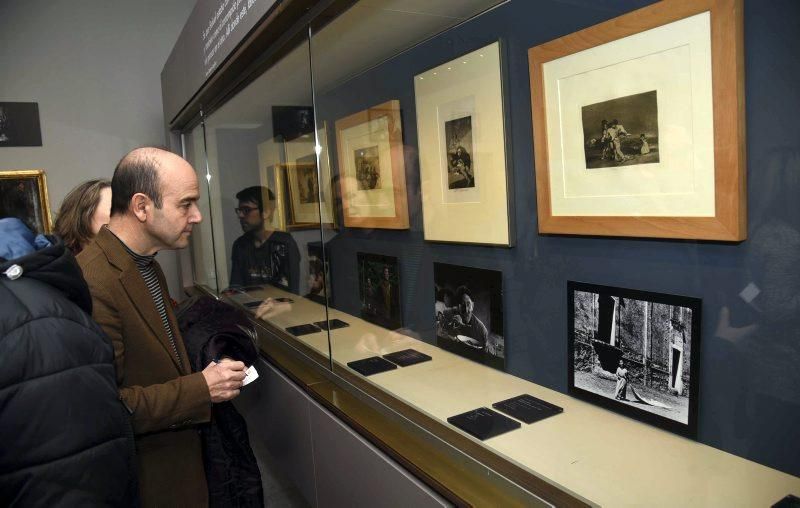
[[291, 122], [381, 299], [653, 335], [19, 124]]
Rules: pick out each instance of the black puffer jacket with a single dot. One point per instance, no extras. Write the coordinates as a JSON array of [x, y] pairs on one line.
[[65, 438]]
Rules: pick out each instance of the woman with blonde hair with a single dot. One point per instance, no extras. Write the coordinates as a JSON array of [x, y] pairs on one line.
[[84, 211]]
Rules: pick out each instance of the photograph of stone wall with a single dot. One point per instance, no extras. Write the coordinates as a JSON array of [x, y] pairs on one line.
[[633, 351]]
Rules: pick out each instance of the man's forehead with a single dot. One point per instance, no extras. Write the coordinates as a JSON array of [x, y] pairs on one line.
[[178, 177]]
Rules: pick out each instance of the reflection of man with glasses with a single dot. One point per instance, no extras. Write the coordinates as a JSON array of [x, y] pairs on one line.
[[262, 256]]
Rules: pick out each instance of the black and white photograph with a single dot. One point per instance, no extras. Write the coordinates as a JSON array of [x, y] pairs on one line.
[[279, 258], [292, 122], [460, 171], [319, 274], [379, 290], [19, 124], [469, 313], [368, 168], [635, 352], [621, 132], [25, 193]]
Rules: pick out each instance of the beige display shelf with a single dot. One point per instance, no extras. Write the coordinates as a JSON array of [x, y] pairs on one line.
[[588, 452]]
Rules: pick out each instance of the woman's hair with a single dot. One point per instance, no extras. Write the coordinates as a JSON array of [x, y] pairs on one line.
[[74, 221]]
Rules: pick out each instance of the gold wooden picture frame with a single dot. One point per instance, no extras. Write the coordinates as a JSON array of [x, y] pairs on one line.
[[674, 71], [25, 191], [302, 190], [372, 176], [301, 157]]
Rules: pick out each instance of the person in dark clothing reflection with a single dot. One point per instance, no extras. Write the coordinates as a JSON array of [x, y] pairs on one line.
[[262, 255]]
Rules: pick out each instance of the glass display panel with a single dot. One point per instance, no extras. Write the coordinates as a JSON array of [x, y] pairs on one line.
[[202, 245], [266, 200], [439, 252], [422, 251]]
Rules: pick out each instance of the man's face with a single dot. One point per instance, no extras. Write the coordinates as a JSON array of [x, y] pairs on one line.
[[250, 218], [171, 225], [465, 308], [386, 273]]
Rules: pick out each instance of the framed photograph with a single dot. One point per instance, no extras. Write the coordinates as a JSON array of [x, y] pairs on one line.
[[292, 122], [469, 313], [379, 290], [372, 173], [19, 124], [319, 274], [639, 125], [462, 150], [24, 194], [636, 353]]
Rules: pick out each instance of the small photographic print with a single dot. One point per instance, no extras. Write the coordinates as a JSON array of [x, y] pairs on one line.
[[460, 172], [468, 310], [368, 168], [319, 274], [24, 195], [19, 124], [635, 352], [379, 290], [621, 132]]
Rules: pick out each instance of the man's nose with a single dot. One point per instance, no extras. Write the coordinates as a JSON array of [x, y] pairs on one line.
[[196, 216]]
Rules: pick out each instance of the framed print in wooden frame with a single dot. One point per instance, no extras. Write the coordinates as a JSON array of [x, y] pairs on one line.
[[303, 194], [639, 125], [301, 161], [372, 175], [271, 176], [25, 192], [636, 353], [462, 150]]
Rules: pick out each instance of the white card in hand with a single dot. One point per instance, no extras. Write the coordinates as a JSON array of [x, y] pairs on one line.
[[250, 375]]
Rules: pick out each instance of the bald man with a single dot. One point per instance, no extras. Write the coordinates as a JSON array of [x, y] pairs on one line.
[[153, 208]]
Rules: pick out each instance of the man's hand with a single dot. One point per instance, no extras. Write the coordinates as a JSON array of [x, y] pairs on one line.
[[224, 379]]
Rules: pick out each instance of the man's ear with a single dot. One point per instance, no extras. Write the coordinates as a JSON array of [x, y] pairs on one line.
[[266, 215], [140, 205]]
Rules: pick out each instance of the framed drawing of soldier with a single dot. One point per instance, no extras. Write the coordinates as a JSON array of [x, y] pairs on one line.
[[24, 193], [372, 174], [639, 125], [462, 150]]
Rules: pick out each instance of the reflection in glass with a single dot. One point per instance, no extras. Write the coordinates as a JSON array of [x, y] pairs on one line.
[[202, 243]]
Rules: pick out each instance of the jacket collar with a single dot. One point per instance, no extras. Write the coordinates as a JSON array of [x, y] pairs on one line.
[[114, 250], [136, 289]]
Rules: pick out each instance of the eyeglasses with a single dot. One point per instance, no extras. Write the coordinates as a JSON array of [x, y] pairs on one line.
[[244, 210]]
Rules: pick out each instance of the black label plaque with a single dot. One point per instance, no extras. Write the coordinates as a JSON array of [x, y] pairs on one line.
[[371, 365], [407, 357], [302, 329], [335, 323], [483, 423], [527, 408]]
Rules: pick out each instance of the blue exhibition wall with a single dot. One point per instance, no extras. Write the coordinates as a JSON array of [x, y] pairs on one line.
[[749, 382]]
